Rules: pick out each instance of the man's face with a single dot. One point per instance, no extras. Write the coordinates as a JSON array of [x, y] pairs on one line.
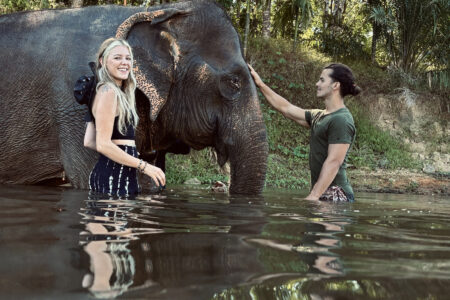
[[325, 84]]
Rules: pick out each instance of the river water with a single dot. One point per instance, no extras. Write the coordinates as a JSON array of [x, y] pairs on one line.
[[190, 243]]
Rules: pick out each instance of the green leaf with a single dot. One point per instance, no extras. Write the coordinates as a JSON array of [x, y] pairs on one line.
[[294, 85], [279, 77], [283, 149]]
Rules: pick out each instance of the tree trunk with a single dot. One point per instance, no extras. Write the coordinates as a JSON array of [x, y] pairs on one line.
[[266, 20], [238, 10], [325, 14], [375, 36], [338, 11], [294, 45], [376, 29], [77, 3], [247, 28], [335, 10]]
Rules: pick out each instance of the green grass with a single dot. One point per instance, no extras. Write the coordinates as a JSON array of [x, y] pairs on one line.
[[293, 75], [198, 164], [376, 148]]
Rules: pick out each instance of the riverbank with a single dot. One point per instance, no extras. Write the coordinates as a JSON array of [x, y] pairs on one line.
[[200, 167], [399, 182]]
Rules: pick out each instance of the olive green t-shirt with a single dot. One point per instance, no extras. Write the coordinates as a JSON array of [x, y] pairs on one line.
[[337, 127]]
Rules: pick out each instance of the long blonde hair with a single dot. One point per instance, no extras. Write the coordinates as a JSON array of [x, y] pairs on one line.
[[126, 100]]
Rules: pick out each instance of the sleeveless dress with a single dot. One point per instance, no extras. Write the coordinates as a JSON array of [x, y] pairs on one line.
[[109, 178]]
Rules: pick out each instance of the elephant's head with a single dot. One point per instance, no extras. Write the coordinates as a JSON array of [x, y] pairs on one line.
[[189, 65]]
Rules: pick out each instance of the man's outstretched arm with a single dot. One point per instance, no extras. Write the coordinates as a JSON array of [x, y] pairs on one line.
[[289, 110]]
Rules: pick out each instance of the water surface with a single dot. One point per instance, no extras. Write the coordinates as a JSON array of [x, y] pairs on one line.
[[190, 243]]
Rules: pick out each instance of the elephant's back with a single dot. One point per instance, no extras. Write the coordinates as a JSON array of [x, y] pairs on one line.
[[42, 54], [58, 40]]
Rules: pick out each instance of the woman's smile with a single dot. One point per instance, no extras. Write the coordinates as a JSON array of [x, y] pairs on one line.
[[119, 64]]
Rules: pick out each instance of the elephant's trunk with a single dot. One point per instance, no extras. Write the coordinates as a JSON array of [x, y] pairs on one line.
[[248, 160]]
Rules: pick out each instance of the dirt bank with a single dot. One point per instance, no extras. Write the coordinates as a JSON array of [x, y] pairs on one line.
[[421, 122], [399, 181]]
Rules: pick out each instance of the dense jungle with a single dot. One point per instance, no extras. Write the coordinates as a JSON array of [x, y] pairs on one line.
[[398, 50]]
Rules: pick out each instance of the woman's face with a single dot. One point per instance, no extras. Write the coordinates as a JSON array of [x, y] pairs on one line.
[[118, 64]]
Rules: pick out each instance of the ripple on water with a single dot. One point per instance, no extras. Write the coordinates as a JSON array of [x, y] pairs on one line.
[[193, 244]]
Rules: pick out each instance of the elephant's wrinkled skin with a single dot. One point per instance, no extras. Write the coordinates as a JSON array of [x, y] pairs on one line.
[[193, 86]]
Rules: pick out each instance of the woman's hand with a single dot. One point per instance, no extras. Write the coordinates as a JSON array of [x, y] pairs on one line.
[[256, 78], [156, 174]]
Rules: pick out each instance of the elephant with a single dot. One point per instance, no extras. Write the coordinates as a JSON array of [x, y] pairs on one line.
[[193, 88]]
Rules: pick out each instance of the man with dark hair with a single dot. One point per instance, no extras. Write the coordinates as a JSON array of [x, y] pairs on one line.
[[332, 131]]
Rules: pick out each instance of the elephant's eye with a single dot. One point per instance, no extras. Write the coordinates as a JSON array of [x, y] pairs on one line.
[[230, 86], [235, 83]]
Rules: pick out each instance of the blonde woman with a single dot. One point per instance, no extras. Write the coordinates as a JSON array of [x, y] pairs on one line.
[[112, 129]]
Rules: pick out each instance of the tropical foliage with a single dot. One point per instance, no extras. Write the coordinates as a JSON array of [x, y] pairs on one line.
[[407, 36], [415, 32]]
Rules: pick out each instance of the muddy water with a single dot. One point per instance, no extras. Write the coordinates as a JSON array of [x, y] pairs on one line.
[[188, 243]]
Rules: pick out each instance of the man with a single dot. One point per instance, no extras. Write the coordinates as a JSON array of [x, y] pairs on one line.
[[332, 130]]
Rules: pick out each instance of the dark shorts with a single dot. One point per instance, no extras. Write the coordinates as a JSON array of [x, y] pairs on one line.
[[350, 197], [109, 178], [336, 194]]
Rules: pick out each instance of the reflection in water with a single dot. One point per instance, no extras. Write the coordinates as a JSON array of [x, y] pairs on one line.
[[167, 241], [195, 245], [108, 260], [105, 239], [153, 243], [323, 240], [192, 244], [314, 240]]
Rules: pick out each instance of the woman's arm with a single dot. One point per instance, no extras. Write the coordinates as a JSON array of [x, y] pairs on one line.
[[89, 136], [104, 110], [335, 158], [289, 110]]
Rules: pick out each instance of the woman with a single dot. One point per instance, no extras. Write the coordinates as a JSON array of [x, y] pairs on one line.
[[332, 130], [112, 130]]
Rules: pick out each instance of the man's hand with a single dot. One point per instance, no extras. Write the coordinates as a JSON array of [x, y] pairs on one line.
[[256, 78], [311, 197]]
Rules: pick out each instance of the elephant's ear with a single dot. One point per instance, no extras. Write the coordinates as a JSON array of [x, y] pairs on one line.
[[155, 51]]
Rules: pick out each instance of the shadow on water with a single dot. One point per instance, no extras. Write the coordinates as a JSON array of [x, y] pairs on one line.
[[189, 243]]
